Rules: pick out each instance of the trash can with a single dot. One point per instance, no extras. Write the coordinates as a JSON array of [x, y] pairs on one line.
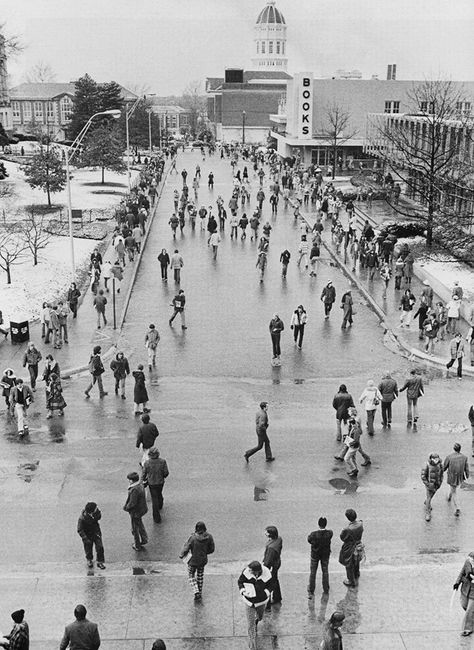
[[19, 331]]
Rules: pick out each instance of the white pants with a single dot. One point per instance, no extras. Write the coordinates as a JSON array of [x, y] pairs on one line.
[[21, 416]]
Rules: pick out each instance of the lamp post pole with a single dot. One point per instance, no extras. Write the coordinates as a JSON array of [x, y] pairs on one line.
[[149, 130], [69, 212], [243, 127]]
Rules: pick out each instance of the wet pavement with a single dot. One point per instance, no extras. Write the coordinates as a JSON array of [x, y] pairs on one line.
[[203, 396]]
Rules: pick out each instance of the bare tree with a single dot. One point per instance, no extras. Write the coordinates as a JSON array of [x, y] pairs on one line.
[[12, 44], [429, 150], [40, 73], [194, 101], [337, 129], [12, 249], [35, 233]]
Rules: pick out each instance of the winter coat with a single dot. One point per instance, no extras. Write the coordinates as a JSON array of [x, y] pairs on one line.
[[388, 389], [155, 469], [176, 261], [453, 307], [432, 475], [342, 402], [346, 304], [147, 434], [152, 338], [164, 259], [99, 303], [320, 541], [332, 638], [465, 578], [430, 328], [49, 369], [413, 387], [88, 524], [96, 367], [276, 326], [457, 466], [298, 318], [261, 420], [369, 396], [135, 504], [272, 555], [73, 296], [328, 295], [140, 395], [350, 536], [16, 391], [120, 367], [201, 545], [456, 348], [54, 395], [261, 586], [32, 357], [407, 302]]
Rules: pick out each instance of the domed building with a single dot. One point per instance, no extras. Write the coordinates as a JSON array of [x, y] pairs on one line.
[[270, 39]]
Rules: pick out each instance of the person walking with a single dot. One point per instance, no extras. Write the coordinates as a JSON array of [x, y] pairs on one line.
[[328, 297], [254, 586], [146, 436], [31, 358], [155, 471], [332, 637], [54, 327], [352, 548], [54, 396], [414, 388], [456, 349], [470, 415], [347, 305], [19, 637], [285, 260], [430, 332], [63, 314], [96, 369], [73, 296], [341, 402], [106, 272], [178, 304], [261, 263], [176, 264], [371, 397], [432, 477], [261, 424], [117, 275], [297, 324], [303, 250], [272, 560], [388, 388], [152, 338], [164, 260], [466, 580], [140, 393], [453, 313], [320, 541], [121, 368], [276, 327], [214, 241], [136, 507], [99, 303], [88, 528], [457, 467], [199, 545], [21, 396], [81, 634], [406, 307]]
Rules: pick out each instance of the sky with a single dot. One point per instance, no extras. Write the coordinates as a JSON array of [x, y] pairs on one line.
[[160, 46]]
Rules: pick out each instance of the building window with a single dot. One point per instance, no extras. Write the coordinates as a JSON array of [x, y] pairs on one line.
[[50, 111], [270, 47], [278, 47], [427, 107], [173, 121], [463, 107], [38, 106], [16, 110], [27, 111], [65, 107], [263, 47], [392, 107]]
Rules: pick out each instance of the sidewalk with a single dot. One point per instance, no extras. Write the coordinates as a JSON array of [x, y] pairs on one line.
[[83, 334], [388, 308], [132, 610]]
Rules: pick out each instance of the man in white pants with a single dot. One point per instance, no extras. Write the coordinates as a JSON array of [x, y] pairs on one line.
[[152, 338], [21, 397]]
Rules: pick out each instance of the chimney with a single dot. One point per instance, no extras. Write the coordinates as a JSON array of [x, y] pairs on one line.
[[391, 72]]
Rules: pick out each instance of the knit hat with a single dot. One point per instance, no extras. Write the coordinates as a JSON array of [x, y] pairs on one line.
[[18, 615], [97, 349]]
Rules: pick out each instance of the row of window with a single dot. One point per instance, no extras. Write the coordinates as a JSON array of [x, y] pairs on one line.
[[277, 47], [40, 111], [426, 107]]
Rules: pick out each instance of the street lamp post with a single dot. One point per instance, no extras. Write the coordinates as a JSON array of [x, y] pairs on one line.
[[149, 131], [243, 126], [128, 115], [69, 155]]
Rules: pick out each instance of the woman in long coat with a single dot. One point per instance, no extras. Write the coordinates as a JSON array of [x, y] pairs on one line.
[[465, 579], [140, 394], [54, 396]]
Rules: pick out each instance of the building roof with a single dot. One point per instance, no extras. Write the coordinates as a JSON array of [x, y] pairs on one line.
[[270, 14], [249, 75], [47, 91], [167, 108]]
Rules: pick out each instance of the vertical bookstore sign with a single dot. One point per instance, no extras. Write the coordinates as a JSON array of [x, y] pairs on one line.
[[305, 106]]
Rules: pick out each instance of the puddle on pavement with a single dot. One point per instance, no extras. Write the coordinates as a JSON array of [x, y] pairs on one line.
[[343, 485], [138, 571], [298, 381], [26, 471], [434, 551]]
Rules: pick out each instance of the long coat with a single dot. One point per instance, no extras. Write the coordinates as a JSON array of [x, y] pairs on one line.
[[140, 395], [350, 535]]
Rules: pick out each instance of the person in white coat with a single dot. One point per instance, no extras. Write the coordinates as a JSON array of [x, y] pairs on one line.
[[297, 324], [371, 398]]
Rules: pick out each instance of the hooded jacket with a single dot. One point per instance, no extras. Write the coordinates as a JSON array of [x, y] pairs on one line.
[[135, 504], [261, 585], [201, 545], [432, 474], [155, 469], [120, 367]]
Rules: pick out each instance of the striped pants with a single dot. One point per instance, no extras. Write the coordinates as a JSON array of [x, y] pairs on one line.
[[196, 578], [254, 615]]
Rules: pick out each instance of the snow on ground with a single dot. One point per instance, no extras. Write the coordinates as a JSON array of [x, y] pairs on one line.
[[48, 281], [83, 196]]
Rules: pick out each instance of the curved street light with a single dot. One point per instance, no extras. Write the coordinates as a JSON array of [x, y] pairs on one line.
[[115, 114]]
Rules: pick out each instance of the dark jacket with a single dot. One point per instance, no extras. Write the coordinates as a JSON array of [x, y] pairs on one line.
[[262, 586], [135, 504], [164, 259], [88, 524], [147, 434], [276, 326], [342, 402], [155, 469], [328, 294], [140, 394], [201, 545], [464, 579], [261, 420], [81, 635], [350, 536], [272, 555], [120, 367], [413, 387], [332, 638], [32, 357], [96, 367], [320, 541], [432, 475], [388, 389]]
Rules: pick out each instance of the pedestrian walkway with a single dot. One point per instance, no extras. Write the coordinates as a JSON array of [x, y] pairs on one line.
[[388, 306], [132, 610]]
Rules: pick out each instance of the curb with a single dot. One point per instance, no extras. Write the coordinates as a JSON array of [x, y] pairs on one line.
[[413, 353]]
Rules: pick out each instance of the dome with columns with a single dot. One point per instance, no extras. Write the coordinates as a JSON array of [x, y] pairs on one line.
[[270, 40]]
